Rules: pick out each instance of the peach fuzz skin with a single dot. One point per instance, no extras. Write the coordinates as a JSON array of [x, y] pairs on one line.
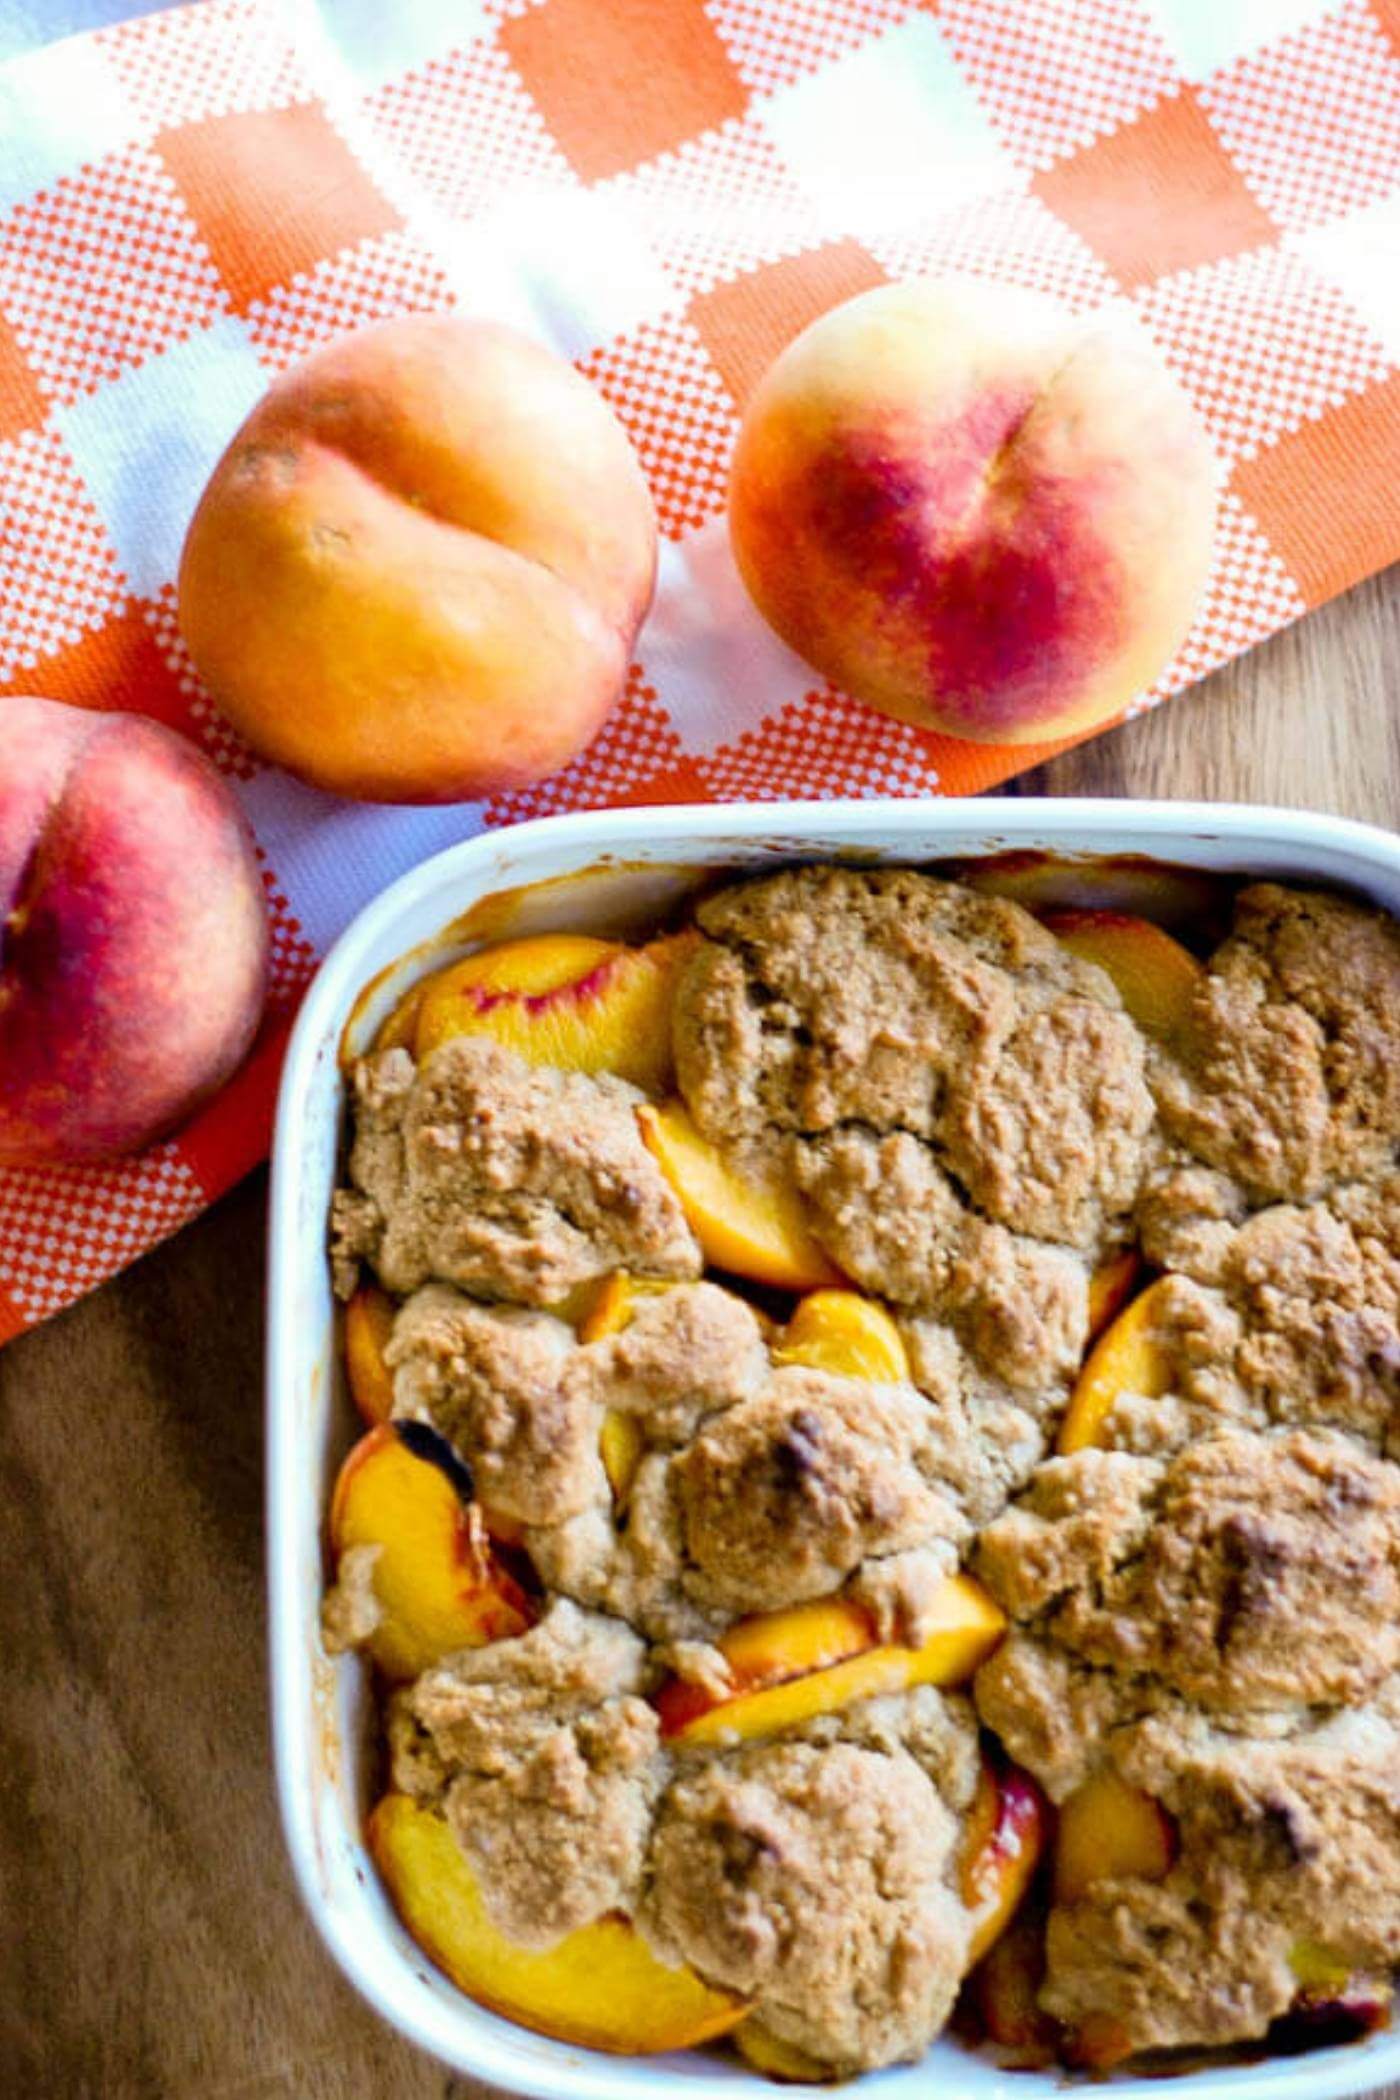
[[133, 932], [972, 511], [417, 572]]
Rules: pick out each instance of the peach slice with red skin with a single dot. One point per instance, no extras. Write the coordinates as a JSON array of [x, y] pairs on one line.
[[1098, 2043], [599, 1987], [438, 1584], [753, 1230], [1003, 1993], [1008, 1830], [563, 999], [786, 1667], [1183, 900], [1109, 1830], [843, 1332], [1130, 1356], [369, 1321], [1155, 977], [1110, 1287]]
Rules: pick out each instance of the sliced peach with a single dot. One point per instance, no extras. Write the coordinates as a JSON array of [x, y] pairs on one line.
[[1003, 1992], [1331, 2019], [1110, 1287], [400, 1030], [621, 1444], [437, 1582], [541, 964], [369, 1321], [613, 1303], [600, 1987], [754, 1231], [786, 1667], [563, 999], [1008, 1828], [1155, 976], [576, 1306], [1185, 898], [1098, 2043], [769, 1649], [775, 2058], [843, 1332], [1109, 1831], [1320, 1972], [1129, 1357], [621, 1440]]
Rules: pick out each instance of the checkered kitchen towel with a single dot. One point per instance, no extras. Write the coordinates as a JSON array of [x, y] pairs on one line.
[[666, 190]]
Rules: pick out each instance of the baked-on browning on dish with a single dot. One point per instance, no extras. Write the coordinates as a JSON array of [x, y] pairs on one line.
[[967, 1378]]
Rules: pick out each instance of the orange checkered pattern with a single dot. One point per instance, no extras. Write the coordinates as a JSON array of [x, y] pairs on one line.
[[666, 191]]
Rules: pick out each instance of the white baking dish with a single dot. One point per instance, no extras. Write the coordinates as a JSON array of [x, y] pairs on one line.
[[640, 860]]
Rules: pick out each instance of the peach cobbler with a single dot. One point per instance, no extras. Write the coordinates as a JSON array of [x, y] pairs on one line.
[[880, 1502]]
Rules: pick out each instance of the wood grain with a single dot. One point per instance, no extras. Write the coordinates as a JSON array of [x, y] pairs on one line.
[[153, 1944]]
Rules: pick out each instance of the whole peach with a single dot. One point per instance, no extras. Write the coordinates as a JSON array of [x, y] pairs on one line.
[[133, 932], [973, 511], [417, 572]]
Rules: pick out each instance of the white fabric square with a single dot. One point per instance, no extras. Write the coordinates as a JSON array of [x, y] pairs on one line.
[[331, 856], [380, 38], [890, 135], [1360, 254], [716, 664], [1207, 34], [60, 107], [570, 266], [147, 443]]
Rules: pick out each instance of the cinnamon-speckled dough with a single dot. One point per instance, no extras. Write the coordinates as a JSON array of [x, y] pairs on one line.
[[1221, 1630], [1244, 1572], [547, 1762], [830, 1005], [817, 1881], [1287, 1835], [775, 1499], [1290, 1077], [1289, 1314], [512, 1180]]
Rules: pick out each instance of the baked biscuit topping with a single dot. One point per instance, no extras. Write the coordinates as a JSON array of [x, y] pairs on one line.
[[509, 1179], [827, 1002], [815, 1880], [756, 1556], [1245, 1573], [1291, 1077]]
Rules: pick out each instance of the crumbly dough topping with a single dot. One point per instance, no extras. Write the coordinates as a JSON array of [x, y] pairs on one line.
[[1245, 1572], [546, 1760], [1290, 1079], [1288, 1838], [829, 1004], [512, 1180], [1289, 1314], [815, 1881], [783, 1496], [1221, 1630]]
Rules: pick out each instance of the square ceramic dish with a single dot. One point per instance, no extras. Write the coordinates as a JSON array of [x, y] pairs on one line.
[[617, 872]]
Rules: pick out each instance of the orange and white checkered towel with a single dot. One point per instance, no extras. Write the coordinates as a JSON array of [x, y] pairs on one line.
[[666, 191]]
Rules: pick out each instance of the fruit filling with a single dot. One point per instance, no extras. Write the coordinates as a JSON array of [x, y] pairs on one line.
[[878, 1499]]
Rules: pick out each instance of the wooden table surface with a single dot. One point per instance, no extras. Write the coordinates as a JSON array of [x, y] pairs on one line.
[[152, 1941]]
